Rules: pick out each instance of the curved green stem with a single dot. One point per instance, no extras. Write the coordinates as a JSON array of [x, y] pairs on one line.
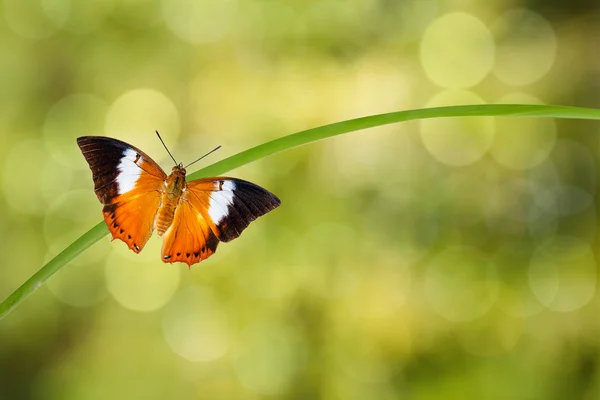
[[294, 140]]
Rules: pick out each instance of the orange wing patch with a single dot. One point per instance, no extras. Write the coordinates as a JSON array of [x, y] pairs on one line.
[[189, 239], [132, 219]]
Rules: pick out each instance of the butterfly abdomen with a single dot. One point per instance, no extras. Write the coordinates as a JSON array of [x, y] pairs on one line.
[[174, 187], [164, 219]]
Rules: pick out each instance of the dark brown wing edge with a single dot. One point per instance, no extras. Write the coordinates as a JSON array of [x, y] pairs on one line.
[[250, 201], [103, 155]]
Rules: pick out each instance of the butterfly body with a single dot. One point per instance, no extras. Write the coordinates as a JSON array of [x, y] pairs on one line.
[[192, 217], [172, 190]]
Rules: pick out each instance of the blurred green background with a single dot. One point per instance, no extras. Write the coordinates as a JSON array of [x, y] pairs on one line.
[[450, 258]]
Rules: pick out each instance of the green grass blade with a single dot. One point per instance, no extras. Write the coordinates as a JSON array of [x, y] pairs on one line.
[[295, 140], [338, 128]]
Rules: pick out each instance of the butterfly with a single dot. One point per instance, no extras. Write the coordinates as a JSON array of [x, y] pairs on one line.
[[193, 217]]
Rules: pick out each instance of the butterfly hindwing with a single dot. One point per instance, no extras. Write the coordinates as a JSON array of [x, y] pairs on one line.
[[189, 239], [213, 210], [132, 220], [128, 183]]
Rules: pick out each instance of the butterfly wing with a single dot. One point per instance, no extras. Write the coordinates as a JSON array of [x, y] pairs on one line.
[[213, 210], [128, 183], [189, 239]]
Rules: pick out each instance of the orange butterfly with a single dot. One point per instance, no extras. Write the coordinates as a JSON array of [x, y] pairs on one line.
[[139, 197]]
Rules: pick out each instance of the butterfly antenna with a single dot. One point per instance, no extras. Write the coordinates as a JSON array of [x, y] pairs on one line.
[[166, 148], [210, 152]]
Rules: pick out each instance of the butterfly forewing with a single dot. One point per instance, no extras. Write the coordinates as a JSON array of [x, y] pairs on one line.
[[128, 183], [230, 204], [118, 167]]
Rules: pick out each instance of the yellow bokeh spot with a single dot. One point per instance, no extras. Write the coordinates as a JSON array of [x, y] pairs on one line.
[[73, 116], [272, 276], [135, 116], [526, 47], [515, 296], [562, 273], [521, 143], [29, 177], [69, 215], [84, 16], [140, 282], [266, 359], [81, 282], [490, 336], [195, 326], [34, 20], [460, 284], [457, 141], [199, 22], [457, 51]]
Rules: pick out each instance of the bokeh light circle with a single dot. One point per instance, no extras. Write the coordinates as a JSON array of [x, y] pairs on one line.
[[360, 358], [360, 343], [272, 277], [31, 179], [138, 283], [457, 51], [521, 143], [199, 22], [266, 358], [69, 215], [57, 12], [35, 20], [341, 277], [81, 282], [511, 208], [461, 207], [195, 325], [562, 273], [566, 180], [563, 200], [525, 46], [341, 386], [457, 141], [73, 116], [515, 295], [576, 164], [490, 336], [136, 114], [23, 253], [460, 284], [384, 287], [85, 16], [357, 158]]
